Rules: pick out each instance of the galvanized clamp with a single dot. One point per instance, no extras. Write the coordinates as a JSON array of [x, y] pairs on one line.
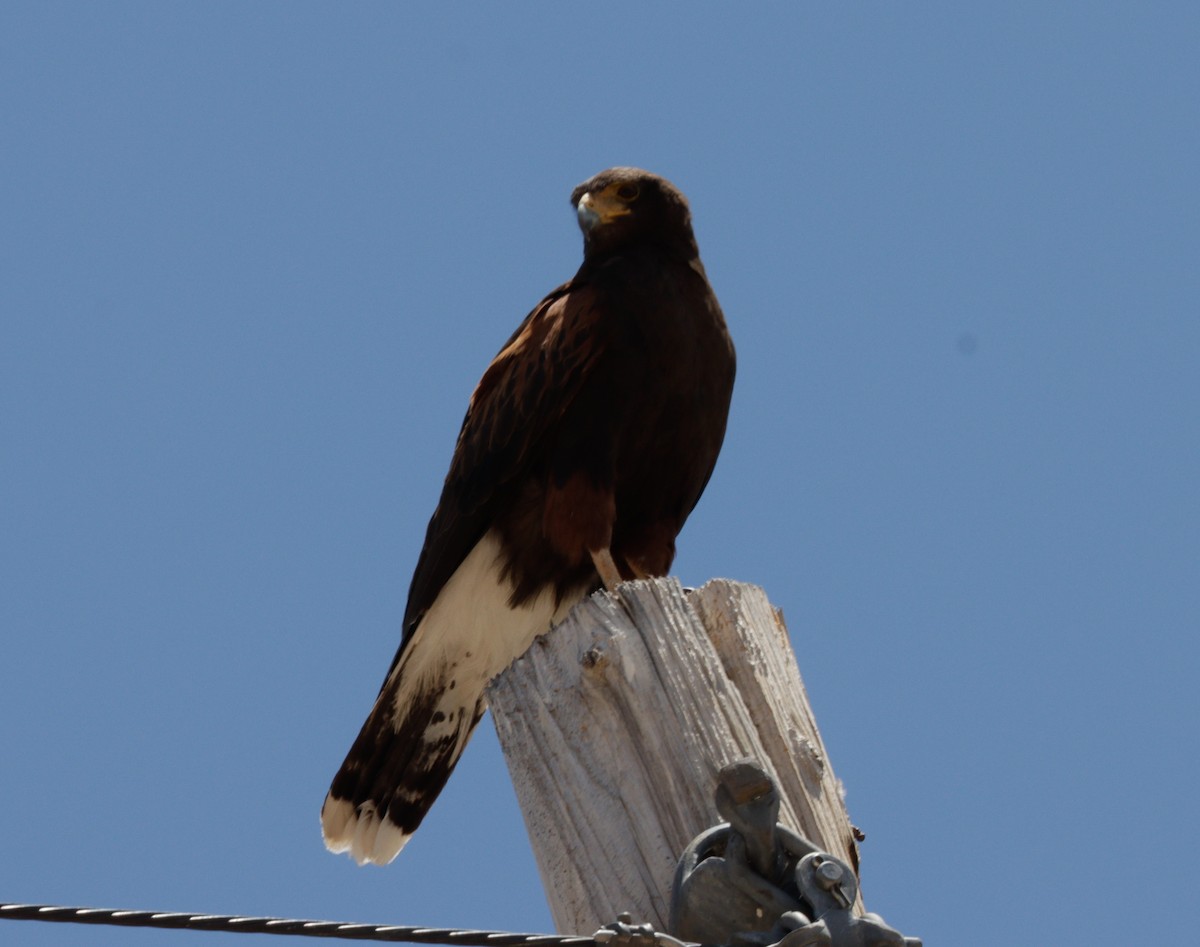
[[751, 882]]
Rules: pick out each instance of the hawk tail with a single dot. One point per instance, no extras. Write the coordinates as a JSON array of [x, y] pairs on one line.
[[430, 703], [405, 752]]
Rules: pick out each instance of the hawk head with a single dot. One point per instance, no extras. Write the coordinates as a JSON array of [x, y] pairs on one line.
[[623, 207]]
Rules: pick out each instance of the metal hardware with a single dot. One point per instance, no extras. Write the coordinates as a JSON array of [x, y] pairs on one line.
[[751, 882]]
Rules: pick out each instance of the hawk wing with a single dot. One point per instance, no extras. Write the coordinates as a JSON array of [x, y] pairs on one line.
[[525, 391], [453, 643]]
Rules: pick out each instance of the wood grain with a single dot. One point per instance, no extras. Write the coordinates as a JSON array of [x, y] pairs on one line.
[[615, 725]]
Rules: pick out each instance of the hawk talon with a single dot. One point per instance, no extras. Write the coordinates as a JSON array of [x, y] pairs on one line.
[[610, 575]]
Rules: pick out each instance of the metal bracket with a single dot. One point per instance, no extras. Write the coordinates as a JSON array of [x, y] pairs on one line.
[[751, 882], [624, 933]]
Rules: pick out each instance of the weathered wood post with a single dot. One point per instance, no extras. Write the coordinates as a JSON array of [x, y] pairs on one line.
[[616, 725]]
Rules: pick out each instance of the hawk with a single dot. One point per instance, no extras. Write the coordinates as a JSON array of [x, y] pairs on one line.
[[585, 446]]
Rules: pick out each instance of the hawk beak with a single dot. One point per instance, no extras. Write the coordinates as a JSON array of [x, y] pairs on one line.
[[600, 207], [588, 218]]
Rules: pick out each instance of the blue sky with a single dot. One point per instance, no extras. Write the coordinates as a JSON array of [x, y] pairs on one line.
[[253, 258]]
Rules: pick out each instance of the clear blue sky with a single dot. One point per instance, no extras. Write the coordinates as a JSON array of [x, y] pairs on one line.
[[254, 256]]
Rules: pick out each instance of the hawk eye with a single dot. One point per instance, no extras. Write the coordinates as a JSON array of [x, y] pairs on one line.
[[627, 192]]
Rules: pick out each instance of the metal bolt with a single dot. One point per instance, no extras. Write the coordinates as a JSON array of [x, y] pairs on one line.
[[829, 874]]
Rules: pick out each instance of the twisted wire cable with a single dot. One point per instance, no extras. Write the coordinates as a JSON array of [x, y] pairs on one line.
[[278, 925]]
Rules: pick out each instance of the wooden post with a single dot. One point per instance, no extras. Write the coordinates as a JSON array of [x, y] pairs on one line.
[[616, 724]]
